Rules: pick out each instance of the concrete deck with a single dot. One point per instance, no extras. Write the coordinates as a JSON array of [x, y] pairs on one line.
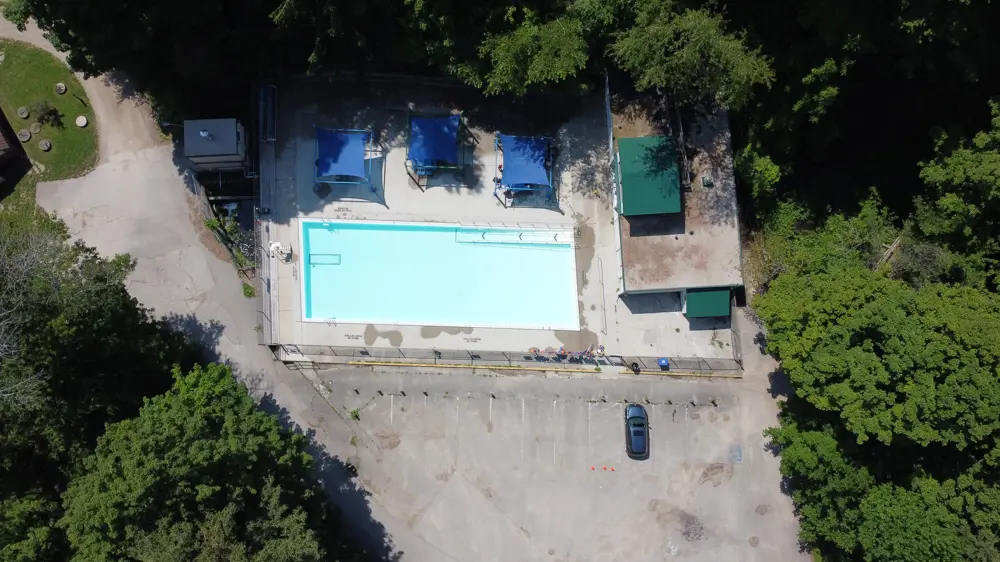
[[701, 246], [582, 202]]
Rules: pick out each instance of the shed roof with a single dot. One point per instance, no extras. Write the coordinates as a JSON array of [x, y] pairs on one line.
[[649, 182], [704, 303], [222, 137]]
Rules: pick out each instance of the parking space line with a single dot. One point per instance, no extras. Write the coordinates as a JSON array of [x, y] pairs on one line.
[[391, 408], [589, 405], [621, 450], [554, 438], [649, 436]]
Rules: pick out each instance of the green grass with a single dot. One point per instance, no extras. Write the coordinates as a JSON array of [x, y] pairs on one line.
[[29, 76]]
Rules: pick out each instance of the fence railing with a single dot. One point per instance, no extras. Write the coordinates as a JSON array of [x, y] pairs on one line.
[[267, 272], [735, 333], [344, 354]]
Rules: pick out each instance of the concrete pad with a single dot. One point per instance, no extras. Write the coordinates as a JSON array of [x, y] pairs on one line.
[[583, 202], [499, 468], [699, 247]]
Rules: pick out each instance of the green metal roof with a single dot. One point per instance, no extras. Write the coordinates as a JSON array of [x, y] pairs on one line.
[[650, 182], [702, 303]]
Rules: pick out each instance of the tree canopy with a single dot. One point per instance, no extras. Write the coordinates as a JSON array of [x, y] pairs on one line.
[[200, 474], [866, 141], [91, 392], [218, 47], [79, 352], [889, 439]]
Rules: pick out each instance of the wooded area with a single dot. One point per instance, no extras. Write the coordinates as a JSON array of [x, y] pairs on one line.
[[866, 140]]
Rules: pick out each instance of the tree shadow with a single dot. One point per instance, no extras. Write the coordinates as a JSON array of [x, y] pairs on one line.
[[338, 477], [201, 337], [779, 384]]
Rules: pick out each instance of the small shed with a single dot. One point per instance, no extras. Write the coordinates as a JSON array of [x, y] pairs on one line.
[[649, 181], [215, 144], [709, 302]]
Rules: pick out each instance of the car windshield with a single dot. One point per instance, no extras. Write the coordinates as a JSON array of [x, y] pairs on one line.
[[636, 422]]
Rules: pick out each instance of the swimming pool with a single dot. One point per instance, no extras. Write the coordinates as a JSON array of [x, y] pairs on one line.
[[428, 274]]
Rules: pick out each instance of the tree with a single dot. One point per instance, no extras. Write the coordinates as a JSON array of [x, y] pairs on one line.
[[191, 57], [889, 438], [80, 352], [856, 89], [534, 54], [826, 486], [689, 55], [902, 526], [201, 473], [894, 362], [23, 260], [962, 207]]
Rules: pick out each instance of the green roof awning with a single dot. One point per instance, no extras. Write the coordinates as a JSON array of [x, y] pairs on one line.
[[650, 182], [703, 303]]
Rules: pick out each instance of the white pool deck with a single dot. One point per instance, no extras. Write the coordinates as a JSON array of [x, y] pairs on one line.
[[650, 326]]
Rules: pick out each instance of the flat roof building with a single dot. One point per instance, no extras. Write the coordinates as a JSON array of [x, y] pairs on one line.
[[678, 239], [215, 144]]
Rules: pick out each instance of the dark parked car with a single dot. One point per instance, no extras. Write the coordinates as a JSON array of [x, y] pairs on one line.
[[636, 432]]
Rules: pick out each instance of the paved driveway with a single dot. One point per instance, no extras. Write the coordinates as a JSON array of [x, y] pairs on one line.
[[533, 468]]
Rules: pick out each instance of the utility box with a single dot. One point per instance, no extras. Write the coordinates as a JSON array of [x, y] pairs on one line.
[[215, 144]]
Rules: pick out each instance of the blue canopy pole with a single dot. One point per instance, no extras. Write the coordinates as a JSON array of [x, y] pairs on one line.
[[370, 151]]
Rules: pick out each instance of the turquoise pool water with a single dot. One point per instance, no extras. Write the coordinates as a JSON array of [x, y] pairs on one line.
[[438, 275]]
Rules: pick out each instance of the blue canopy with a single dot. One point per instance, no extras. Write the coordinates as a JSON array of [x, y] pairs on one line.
[[340, 153], [524, 161], [434, 139]]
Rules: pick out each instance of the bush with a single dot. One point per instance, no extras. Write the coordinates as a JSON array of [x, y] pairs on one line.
[[248, 291]]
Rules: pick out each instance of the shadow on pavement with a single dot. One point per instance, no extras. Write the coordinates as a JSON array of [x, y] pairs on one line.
[[348, 498], [779, 385]]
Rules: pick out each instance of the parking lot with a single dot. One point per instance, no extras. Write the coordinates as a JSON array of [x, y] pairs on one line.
[[534, 468]]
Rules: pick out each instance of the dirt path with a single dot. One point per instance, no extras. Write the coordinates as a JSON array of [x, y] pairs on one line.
[[112, 98]]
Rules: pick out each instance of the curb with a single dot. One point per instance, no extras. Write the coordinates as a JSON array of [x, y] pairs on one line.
[[541, 369], [470, 366], [679, 374]]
